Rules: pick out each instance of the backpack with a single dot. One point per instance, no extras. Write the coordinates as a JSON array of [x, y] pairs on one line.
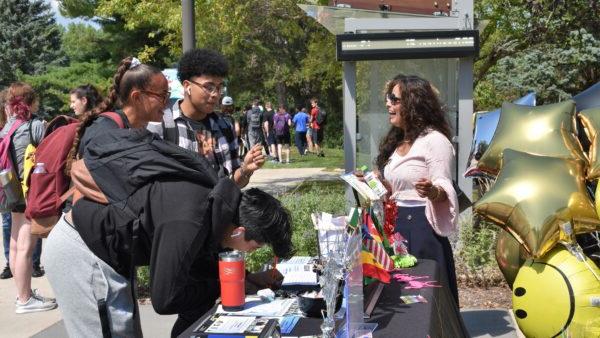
[[254, 118], [49, 188], [29, 160], [280, 122], [11, 193], [321, 117]]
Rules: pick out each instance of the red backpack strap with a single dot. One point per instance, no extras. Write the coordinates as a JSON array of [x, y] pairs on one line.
[[115, 117]]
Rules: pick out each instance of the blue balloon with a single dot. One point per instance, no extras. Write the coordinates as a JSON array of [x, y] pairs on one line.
[[589, 98], [485, 126]]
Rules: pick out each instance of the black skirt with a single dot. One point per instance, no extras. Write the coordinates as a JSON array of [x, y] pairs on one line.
[[424, 243]]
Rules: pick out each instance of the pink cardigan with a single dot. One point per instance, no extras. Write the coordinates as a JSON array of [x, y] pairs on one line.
[[431, 156]]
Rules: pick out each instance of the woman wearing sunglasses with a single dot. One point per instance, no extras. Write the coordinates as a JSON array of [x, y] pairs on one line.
[[415, 158]]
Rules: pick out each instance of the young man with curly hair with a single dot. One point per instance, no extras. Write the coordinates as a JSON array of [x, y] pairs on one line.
[[193, 124]]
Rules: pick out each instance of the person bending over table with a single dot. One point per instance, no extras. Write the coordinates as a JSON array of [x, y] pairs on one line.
[[182, 228], [415, 158]]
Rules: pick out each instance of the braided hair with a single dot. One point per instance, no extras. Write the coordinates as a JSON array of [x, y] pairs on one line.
[[420, 110], [127, 78]]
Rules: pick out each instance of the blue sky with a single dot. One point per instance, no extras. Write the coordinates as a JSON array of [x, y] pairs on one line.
[[61, 20]]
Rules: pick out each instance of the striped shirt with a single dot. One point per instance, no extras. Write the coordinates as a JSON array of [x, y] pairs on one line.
[[213, 137]]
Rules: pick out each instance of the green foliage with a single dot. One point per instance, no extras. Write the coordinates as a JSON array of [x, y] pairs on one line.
[[477, 245], [544, 45], [555, 73], [53, 86], [84, 43], [308, 198], [29, 39]]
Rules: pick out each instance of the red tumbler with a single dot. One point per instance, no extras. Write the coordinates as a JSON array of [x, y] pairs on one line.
[[232, 273]]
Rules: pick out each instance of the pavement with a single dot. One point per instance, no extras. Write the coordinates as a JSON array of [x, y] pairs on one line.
[[497, 323]]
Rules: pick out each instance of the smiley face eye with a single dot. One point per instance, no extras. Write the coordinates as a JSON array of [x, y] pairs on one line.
[[521, 314], [519, 292]]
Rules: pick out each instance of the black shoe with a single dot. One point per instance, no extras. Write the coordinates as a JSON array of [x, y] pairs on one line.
[[6, 274], [321, 155], [37, 272]]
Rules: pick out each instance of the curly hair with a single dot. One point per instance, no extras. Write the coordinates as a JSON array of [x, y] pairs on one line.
[[198, 62], [21, 99], [126, 79], [420, 111], [266, 221], [91, 94]]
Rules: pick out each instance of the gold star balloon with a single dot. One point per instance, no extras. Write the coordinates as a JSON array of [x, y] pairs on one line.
[[534, 194], [590, 118], [547, 130], [510, 256]]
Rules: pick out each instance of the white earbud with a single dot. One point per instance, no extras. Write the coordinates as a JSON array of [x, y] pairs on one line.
[[189, 91]]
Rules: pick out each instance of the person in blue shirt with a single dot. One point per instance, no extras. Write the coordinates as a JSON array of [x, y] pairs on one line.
[[300, 121]]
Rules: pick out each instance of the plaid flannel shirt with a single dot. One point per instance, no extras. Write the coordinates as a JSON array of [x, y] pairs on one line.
[[220, 138]]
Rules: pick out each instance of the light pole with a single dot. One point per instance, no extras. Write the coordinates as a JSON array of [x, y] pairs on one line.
[[188, 24]]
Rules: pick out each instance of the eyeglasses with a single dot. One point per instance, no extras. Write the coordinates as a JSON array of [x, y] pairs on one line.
[[164, 97], [393, 98], [210, 88]]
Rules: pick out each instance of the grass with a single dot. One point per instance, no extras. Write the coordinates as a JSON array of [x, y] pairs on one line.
[[334, 158]]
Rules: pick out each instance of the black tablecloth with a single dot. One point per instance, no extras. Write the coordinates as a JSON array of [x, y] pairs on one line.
[[439, 317]]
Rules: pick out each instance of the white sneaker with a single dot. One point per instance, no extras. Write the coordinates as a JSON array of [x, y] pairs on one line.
[[36, 303]]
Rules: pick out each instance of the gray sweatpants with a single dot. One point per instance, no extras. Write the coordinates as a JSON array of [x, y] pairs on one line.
[[81, 281]]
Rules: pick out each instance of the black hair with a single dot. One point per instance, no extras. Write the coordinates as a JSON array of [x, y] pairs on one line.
[[91, 94], [198, 62], [266, 221]]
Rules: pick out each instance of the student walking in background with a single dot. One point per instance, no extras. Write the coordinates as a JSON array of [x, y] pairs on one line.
[[269, 130], [282, 123], [300, 122], [309, 134], [318, 126]]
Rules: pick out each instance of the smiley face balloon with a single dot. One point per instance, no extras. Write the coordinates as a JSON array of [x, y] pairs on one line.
[[547, 130], [557, 295]]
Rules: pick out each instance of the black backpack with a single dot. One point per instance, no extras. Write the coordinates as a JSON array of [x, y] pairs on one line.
[[321, 117]]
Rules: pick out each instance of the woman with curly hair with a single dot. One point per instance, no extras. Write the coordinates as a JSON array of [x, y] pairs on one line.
[[416, 158]]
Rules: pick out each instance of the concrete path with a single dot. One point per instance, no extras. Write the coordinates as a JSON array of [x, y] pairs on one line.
[[276, 181]]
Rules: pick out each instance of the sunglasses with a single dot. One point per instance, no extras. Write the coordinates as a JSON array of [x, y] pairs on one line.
[[392, 98]]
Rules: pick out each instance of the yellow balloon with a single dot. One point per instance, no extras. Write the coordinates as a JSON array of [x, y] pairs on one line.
[[556, 295], [533, 195], [510, 255], [590, 118], [547, 130]]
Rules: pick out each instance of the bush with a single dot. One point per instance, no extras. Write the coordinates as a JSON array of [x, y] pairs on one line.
[[475, 253], [309, 197]]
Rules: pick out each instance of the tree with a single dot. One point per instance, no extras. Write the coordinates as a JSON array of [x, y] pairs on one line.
[[29, 39], [533, 44], [83, 43]]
